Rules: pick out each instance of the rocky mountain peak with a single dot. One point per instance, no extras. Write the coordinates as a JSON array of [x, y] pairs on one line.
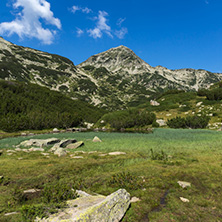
[[121, 59]]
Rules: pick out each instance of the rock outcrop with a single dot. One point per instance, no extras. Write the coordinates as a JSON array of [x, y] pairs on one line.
[[94, 208]]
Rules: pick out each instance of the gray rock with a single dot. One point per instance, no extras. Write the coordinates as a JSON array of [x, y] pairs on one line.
[[31, 191], [12, 213], [198, 104], [11, 151], [97, 139], [64, 143], [154, 103], [184, 184], [185, 200], [77, 157], [134, 200], [75, 145], [103, 154], [39, 142], [33, 149], [161, 122], [60, 152], [117, 153], [18, 149], [45, 154], [94, 209], [82, 193], [55, 130]]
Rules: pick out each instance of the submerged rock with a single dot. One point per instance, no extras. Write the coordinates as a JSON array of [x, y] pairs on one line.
[[63, 144], [97, 139], [39, 142], [75, 145]]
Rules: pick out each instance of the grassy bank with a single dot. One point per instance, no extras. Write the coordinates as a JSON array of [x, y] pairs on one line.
[[194, 156]]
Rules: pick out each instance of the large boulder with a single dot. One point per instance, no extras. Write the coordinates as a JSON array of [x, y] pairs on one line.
[[75, 145], [97, 139], [39, 142], [94, 208]]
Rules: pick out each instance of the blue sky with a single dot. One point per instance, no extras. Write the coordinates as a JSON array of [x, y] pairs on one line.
[[175, 34]]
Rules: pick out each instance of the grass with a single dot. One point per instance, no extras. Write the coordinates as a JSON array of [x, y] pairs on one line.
[[194, 156]]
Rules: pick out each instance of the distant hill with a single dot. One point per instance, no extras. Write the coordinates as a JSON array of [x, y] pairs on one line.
[[28, 106], [114, 79]]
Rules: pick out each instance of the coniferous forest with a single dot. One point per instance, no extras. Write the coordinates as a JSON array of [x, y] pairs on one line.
[[28, 106]]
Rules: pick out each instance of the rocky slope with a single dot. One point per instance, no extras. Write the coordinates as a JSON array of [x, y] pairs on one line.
[[114, 79]]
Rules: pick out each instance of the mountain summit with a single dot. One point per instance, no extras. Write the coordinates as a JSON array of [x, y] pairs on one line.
[[120, 59], [114, 79]]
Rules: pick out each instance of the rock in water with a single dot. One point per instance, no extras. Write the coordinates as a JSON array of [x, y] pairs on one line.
[[75, 145], [39, 142], [97, 139], [65, 143], [94, 209]]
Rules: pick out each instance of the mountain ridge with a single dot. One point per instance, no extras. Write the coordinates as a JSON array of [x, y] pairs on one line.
[[114, 79]]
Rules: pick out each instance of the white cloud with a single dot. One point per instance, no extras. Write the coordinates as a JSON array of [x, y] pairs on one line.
[[76, 8], [121, 33], [27, 22], [120, 21], [101, 26], [79, 32]]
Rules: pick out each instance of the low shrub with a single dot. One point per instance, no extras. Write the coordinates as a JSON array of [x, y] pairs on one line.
[[128, 118], [193, 122], [58, 193], [125, 180], [155, 124], [31, 212], [158, 155]]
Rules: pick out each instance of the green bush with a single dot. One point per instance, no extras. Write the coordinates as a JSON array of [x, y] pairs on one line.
[[197, 122], [177, 122], [158, 155], [129, 118], [30, 212], [194, 122], [155, 124]]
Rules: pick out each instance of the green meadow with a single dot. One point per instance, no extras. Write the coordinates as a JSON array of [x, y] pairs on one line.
[[149, 170]]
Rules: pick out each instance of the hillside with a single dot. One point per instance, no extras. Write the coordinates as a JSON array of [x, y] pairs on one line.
[[28, 106], [169, 105], [114, 79]]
